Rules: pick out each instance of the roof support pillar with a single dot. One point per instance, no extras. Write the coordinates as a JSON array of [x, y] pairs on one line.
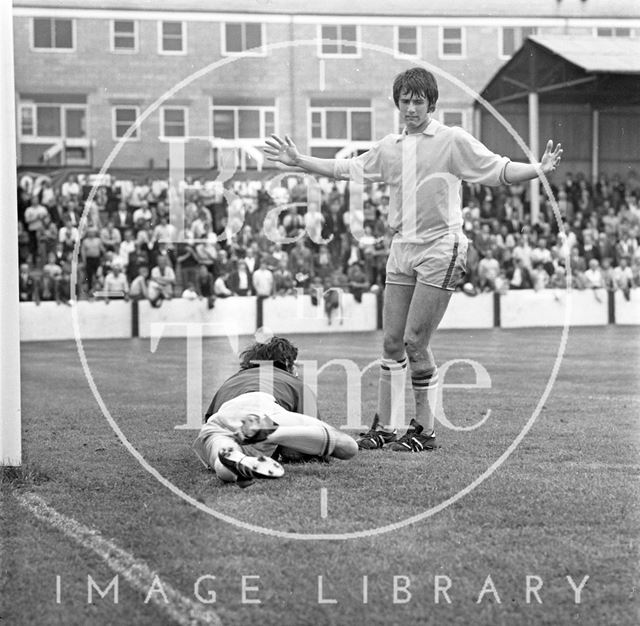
[[595, 144], [534, 146], [477, 122]]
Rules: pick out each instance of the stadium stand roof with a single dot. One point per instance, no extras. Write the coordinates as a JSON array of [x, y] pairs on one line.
[[401, 8], [570, 68]]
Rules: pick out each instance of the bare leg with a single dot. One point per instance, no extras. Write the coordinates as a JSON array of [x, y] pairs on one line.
[[427, 309], [393, 366]]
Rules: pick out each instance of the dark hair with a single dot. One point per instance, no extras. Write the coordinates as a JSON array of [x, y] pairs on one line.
[[279, 350], [416, 81]]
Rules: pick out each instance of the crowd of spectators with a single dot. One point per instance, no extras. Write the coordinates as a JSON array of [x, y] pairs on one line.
[[257, 237]]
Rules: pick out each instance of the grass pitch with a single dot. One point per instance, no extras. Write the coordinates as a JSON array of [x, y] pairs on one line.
[[563, 504]]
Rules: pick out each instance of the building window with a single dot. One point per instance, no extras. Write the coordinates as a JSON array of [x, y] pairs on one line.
[[172, 38], [53, 121], [242, 37], [27, 120], [173, 122], [407, 43], [339, 40], [613, 32], [451, 42], [511, 39], [334, 127], [123, 118], [53, 34], [452, 118], [124, 36], [243, 122]]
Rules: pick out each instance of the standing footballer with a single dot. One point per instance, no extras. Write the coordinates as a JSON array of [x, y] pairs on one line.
[[424, 168]]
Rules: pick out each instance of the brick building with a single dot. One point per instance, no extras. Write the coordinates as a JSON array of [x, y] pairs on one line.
[[226, 73]]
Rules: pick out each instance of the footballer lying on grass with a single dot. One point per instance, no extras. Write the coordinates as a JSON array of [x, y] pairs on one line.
[[246, 429]]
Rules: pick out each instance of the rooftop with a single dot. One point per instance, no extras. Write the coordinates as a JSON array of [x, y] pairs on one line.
[[619, 55], [399, 8]]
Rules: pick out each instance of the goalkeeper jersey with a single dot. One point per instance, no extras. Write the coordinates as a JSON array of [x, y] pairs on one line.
[[288, 390]]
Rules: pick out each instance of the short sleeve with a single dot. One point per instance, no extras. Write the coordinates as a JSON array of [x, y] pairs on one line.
[[366, 167], [473, 162]]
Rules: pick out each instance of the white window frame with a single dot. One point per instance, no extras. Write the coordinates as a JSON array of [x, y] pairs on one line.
[[463, 43], [34, 113], [396, 43], [462, 112], [74, 37], [262, 109], [252, 52], [114, 134], [324, 142], [518, 29], [162, 136], [340, 55], [112, 37], [35, 138], [184, 38]]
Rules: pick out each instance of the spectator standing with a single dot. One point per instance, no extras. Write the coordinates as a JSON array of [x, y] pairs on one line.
[[220, 287], [27, 285], [115, 283], [91, 252], [488, 271], [539, 276], [139, 289], [122, 218], [162, 281], [34, 219], [23, 243], [519, 277], [323, 266], [187, 263], [522, 250], [623, 278], [358, 282], [593, 276], [626, 247], [70, 188], [559, 278], [111, 237], [47, 238], [262, 280], [142, 216], [283, 279], [239, 280], [204, 285]]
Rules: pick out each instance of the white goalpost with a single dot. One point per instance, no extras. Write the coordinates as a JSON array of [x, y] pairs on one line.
[[10, 422]]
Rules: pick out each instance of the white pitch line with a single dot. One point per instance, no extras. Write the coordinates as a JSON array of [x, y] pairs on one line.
[[135, 571]]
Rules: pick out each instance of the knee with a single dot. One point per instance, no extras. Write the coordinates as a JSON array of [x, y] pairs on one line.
[[346, 447], [393, 347], [414, 345]]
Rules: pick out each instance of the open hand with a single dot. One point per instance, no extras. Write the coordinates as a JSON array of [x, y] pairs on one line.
[[551, 157], [282, 150]]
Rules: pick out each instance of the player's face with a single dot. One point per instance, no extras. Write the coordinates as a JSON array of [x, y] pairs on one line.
[[414, 111]]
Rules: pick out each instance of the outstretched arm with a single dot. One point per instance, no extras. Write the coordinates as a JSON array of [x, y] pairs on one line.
[[519, 172], [284, 151]]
